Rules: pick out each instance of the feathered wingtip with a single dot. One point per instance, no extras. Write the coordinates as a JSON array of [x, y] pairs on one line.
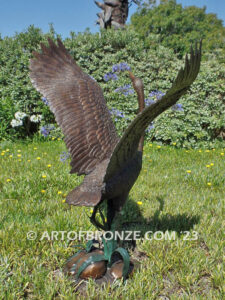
[[81, 197], [55, 56], [189, 72], [52, 50]]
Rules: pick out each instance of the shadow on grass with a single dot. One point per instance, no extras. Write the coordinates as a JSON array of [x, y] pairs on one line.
[[136, 221]]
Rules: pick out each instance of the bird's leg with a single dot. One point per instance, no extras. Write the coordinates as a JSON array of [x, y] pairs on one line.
[[113, 208], [113, 214], [110, 214], [103, 218], [94, 221]]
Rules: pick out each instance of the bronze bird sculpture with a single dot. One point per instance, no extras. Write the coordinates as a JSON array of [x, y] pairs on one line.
[[110, 164]]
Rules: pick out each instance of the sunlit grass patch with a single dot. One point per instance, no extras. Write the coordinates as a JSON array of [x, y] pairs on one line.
[[175, 192]]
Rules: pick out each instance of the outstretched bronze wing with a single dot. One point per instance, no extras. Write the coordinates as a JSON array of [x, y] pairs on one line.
[[128, 144], [78, 104]]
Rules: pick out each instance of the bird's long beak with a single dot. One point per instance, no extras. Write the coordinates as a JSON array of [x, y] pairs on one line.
[[132, 77]]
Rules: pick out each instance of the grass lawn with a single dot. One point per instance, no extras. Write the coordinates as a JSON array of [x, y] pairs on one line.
[[177, 191]]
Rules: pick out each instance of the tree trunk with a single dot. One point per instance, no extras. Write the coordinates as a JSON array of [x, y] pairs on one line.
[[114, 13]]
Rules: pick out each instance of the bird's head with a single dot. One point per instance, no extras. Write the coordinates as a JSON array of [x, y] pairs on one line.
[[137, 82]]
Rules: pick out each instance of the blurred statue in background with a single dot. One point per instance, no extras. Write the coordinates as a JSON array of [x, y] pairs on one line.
[[114, 13]]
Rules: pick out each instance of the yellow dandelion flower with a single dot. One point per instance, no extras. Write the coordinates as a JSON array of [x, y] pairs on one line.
[[35, 148], [207, 166], [3, 153], [18, 155], [58, 139], [91, 210], [188, 171], [64, 200], [59, 192], [49, 165], [212, 164], [38, 158], [186, 151], [150, 145], [44, 176], [10, 156], [139, 203], [174, 144], [158, 147], [43, 191], [207, 151], [8, 179], [7, 150], [199, 151], [53, 138], [214, 149], [209, 183], [222, 153], [28, 160], [18, 150]]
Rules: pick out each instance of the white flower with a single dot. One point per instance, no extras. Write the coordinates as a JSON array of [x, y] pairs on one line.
[[20, 115], [15, 123], [36, 118]]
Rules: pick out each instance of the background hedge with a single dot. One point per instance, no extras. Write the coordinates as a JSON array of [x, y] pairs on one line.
[[200, 124]]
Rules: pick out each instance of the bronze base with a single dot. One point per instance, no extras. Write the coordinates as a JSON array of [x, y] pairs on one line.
[[111, 275], [98, 271]]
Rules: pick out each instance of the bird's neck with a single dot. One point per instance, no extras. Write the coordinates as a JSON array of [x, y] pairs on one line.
[[141, 106], [139, 88]]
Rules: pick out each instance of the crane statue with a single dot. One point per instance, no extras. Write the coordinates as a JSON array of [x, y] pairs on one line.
[[111, 165]]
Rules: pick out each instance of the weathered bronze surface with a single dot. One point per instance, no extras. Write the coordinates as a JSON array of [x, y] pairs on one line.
[[99, 269], [111, 164], [73, 261], [94, 270], [116, 269]]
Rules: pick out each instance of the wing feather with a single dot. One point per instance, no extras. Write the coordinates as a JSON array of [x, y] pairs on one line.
[[78, 104]]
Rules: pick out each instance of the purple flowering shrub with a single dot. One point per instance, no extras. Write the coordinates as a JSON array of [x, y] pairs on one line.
[[64, 156], [49, 131], [119, 116], [125, 90], [45, 130]]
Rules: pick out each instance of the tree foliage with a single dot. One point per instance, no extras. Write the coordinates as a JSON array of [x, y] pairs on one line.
[[178, 27]]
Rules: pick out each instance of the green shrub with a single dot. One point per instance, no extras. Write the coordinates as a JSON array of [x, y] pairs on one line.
[[16, 90], [201, 122]]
